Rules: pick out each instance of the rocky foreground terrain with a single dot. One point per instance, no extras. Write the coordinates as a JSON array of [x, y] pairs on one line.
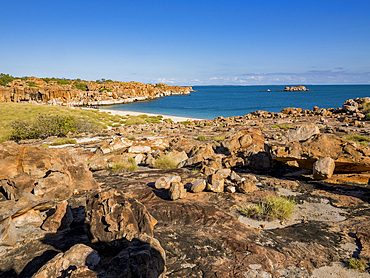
[[78, 210]]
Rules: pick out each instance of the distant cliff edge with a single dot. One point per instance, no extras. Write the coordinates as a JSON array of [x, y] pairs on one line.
[[83, 93]]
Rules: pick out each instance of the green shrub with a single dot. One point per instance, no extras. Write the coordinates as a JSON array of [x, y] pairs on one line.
[[358, 138], [60, 81], [31, 84], [171, 121], [219, 138], [282, 126], [5, 79], [185, 123], [64, 141], [202, 138], [270, 209], [368, 116], [164, 162], [105, 89], [80, 86], [358, 264], [135, 120], [44, 126], [124, 166]]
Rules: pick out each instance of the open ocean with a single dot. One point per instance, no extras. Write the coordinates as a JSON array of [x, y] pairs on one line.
[[209, 102]]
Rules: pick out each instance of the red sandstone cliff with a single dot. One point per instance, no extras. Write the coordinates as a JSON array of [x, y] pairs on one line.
[[114, 92]]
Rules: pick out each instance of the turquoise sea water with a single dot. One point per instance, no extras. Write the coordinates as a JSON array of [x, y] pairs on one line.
[[209, 102]]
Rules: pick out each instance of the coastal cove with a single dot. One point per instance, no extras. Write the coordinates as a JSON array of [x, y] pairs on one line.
[[209, 102]]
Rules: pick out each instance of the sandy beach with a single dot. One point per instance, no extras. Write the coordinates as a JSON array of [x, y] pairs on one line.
[[136, 113]]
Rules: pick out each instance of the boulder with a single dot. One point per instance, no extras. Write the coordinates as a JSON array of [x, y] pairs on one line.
[[301, 133], [246, 186], [114, 145], [223, 173], [60, 219], [31, 218], [230, 189], [113, 219], [22, 182], [198, 185], [215, 183], [176, 156], [77, 256], [165, 182], [323, 168], [177, 191], [8, 234], [244, 140], [54, 187], [350, 106], [197, 159], [139, 149]]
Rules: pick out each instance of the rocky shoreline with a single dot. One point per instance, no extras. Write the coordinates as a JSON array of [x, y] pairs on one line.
[[72, 211], [85, 93]]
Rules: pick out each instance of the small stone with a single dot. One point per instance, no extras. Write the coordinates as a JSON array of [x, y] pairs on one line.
[[230, 189], [323, 168], [177, 191], [215, 183], [8, 234], [246, 187], [198, 185], [223, 173], [165, 182]]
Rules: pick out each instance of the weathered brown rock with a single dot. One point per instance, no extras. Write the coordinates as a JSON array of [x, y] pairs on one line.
[[215, 183], [246, 186], [302, 133], [31, 218], [8, 234], [165, 182], [112, 219], [348, 156], [60, 219], [77, 256], [177, 157], [244, 140], [177, 191], [198, 185], [323, 168]]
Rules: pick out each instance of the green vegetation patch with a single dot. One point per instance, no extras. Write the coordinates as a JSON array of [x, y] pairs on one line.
[[282, 126], [358, 264], [64, 141], [358, 138], [164, 162], [270, 209], [25, 116], [124, 166], [32, 84], [202, 138], [5, 79], [105, 89], [219, 138], [185, 123]]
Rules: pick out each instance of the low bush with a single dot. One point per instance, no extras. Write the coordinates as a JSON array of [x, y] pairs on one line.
[[270, 209], [125, 166], [368, 116], [185, 123], [5, 79], [44, 126], [164, 162], [282, 126], [358, 264], [31, 84], [105, 89], [64, 141], [134, 120], [219, 138], [202, 138], [358, 138]]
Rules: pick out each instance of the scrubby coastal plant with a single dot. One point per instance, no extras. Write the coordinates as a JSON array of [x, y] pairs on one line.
[[358, 138], [219, 138], [44, 126], [368, 116], [282, 126], [185, 123], [135, 120], [5, 79], [202, 138], [164, 162], [358, 264], [32, 84], [270, 209], [124, 166], [64, 141]]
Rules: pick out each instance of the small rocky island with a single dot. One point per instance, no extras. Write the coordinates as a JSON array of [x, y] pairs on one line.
[[295, 89], [262, 195]]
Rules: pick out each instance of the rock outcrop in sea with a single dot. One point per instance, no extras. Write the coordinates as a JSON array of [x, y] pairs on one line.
[[65, 212]]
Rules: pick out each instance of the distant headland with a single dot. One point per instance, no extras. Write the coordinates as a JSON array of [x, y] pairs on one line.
[[77, 92]]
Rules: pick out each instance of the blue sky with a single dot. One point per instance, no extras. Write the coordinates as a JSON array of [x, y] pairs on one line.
[[189, 42]]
